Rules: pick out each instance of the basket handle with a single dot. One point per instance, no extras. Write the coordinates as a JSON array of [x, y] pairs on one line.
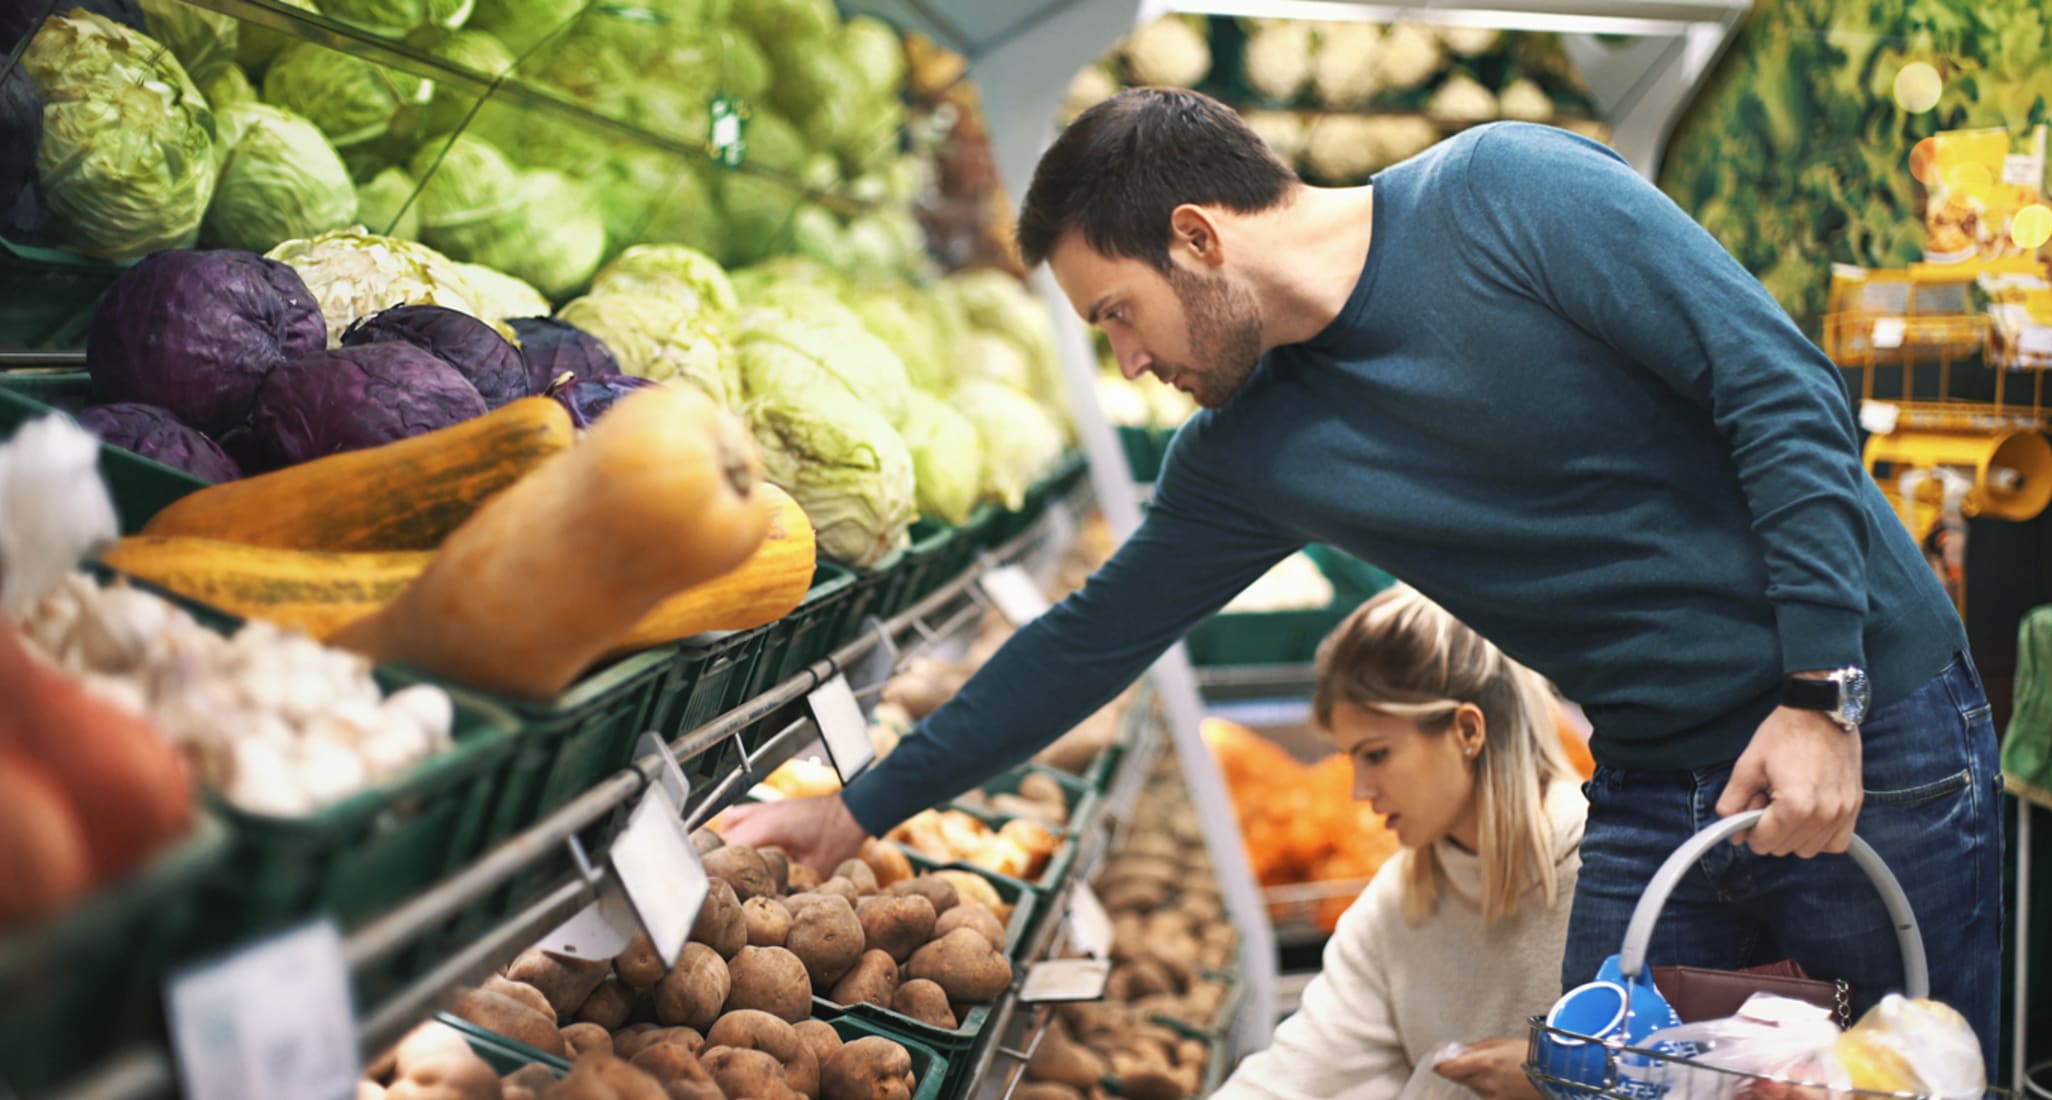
[[1632, 960]]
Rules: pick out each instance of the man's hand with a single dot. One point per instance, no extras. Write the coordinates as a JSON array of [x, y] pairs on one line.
[[818, 832], [1493, 1069], [1805, 772]]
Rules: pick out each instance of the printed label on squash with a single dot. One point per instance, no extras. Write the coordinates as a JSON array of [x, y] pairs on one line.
[[273, 1019]]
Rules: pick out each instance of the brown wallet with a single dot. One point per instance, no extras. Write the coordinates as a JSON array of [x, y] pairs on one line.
[[1697, 994]]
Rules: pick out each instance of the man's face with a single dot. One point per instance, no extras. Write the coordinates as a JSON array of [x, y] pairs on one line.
[[1193, 328]]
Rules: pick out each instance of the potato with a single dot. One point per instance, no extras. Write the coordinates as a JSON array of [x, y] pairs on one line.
[[564, 979], [975, 918], [742, 868], [819, 1037], [874, 980], [796, 902], [668, 1062], [859, 873], [628, 1082], [925, 1001], [627, 1044], [1044, 788], [467, 1077], [691, 994], [886, 861], [502, 1015], [827, 938], [705, 840], [639, 966], [937, 891], [429, 1042], [1045, 1090], [747, 1073], [753, 1030], [582, 1039], [896, 926], [976, 888], [842, 888], [779, 863], [533, 1076], [608, 1006], [963, 964], [521, 992], [773, 980], [769, 923], [870, 1068], [1061, 1059], [1135, 894], [721, 925]]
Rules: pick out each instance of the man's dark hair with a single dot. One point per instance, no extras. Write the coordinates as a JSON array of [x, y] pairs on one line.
[[1123, 167]]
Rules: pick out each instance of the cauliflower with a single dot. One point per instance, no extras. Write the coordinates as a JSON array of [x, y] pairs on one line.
[[1284, 132], [1343, 70], [1462, 99], [1277, 60], [1348, 148], [1593, 129], [1523, 99], [1091, 86], [1469, 41], [1168, 52], [1409, 56]]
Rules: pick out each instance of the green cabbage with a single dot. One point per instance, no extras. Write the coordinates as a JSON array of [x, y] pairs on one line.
[[773, 21], [947, 458], [203, 41], [660, 340], [815, 233], [759, 212], [874, 51], [838, 343], [226, 88], [743, 68], [766, 283], [477, 52], [500, 296], [840, 459], [670, 271], [354, 101], [384, 205], [886, 243], [1020, 440], [520, 24], [895, 318], [281, 180], [255, 46], [996, 302], [399, 18], [354, 274], [552, 236], [774, 143], [992, 358], [650, 197], [468, 189], [128, 156]]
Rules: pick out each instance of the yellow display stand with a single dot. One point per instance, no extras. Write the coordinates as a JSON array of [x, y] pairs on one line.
[[2010, 471]]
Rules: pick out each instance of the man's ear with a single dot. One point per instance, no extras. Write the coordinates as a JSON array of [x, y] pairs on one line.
[[1195, 236]]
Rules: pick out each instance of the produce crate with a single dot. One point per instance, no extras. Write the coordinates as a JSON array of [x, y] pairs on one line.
[[953, 1045], [502, 1054], [47, 296], [140, 487], [825, 619], [708, 677], [1232, 639], [918, 569], [1145, 448], [74, 990], [1079, 798]]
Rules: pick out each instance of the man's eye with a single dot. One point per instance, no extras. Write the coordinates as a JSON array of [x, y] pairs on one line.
[[1374, 756]]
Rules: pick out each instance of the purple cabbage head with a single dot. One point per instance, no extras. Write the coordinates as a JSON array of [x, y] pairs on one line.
[[154, 433], [23, 215], [346, 399], [552, 349], [458, 339], [589, 398], [196, 332]]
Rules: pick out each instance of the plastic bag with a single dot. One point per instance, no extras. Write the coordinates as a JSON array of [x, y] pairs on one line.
[[54, 509], [1923, 1047], [1771, 1037]]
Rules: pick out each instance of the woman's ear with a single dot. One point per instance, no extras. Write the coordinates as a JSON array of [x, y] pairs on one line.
[[1472, 728]]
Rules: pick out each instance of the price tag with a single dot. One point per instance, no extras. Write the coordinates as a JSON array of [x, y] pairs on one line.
[[658, 867], [727, 138], [1065, 981], [2023, 170], [273, 1019], [2035, 340], [842, 728], [1017, 598], [1889, 331], [1879, 417], [1090, 927]]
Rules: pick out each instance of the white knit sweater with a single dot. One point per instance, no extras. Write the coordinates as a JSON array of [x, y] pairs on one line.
[[1391, 993]]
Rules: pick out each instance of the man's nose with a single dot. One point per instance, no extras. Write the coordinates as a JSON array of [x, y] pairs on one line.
[[1133, 362]]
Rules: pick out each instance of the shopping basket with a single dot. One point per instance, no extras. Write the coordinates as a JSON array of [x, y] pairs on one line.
[[1564, 1065]]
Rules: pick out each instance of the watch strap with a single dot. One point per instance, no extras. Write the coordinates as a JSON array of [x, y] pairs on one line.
[[1807, 694]]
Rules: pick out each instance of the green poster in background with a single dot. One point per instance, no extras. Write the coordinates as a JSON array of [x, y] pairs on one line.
[[1796, 154]]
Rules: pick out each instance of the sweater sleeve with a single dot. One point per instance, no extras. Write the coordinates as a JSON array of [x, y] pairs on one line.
[[1567, 221], [1196, 549], [1343, 1040]]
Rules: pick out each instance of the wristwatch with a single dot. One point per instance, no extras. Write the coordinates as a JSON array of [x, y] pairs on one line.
[[1840, 694]]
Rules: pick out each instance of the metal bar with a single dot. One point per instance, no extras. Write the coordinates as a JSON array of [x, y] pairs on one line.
[[2020, 1036]]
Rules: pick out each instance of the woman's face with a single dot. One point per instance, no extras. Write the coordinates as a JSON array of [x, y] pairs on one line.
[[1423, 784]]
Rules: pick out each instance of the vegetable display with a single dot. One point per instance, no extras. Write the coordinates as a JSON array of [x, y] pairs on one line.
[[279, 179]]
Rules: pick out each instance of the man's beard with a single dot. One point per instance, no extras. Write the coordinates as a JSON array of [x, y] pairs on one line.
[[1224, 337]]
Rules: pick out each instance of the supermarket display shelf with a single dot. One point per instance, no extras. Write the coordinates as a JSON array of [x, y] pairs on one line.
[[952, 607]]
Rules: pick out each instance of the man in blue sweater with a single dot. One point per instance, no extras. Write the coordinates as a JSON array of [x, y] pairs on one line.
[[1513, 374]]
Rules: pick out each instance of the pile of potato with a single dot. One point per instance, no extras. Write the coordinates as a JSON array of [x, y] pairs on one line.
[[1095, 1052], [1020, 848]]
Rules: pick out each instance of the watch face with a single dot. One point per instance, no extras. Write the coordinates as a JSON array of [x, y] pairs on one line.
[[1852, 696]]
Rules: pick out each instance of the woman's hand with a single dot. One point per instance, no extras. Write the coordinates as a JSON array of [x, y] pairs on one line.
[[1493, 1069]]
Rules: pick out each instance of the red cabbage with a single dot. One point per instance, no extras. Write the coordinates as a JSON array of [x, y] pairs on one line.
[[458, 339], [154, 433], [589, 398], [553, 348], [345, 399], [196, 332], [23, 215]]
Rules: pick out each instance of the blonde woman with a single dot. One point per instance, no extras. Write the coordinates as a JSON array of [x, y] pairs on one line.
[[1459, 938]]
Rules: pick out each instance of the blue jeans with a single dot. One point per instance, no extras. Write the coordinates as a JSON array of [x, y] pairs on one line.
[[1932, 780]]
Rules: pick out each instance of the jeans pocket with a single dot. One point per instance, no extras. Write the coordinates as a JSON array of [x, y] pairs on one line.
[[1926, 792]]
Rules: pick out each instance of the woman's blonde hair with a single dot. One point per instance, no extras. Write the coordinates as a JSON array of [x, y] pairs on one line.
[[1402, 655]]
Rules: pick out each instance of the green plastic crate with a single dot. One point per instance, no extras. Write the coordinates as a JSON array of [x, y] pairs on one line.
[[140, 487], [78, 988], [1144, 449], [708, 677], [504, 1055], [821, 622], [917, 570], [1078, 798], [47, 296]]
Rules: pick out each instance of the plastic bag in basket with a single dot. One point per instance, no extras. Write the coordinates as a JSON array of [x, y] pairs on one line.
[[1920, 1047], [1751, 1056]]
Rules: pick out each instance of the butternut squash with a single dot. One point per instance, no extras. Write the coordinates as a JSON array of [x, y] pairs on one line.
[[312, 591], [766, 587], [406, 495], [661, 494]]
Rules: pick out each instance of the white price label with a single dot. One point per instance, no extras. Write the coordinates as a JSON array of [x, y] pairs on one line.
[[2023, 170], [1064, 981], [2035, 340], [273, 1019], [1090, 927], [1889, 331], [842, 728], [1017, 598], [660, 871], [1879, 417]]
